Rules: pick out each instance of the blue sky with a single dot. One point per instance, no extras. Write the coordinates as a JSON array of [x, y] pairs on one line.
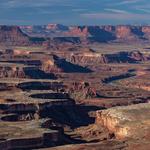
[[74, 12]]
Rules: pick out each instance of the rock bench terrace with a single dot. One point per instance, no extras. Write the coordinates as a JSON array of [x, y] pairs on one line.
[[74, 87]]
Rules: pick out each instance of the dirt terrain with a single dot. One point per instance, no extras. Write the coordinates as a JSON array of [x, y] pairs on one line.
[[58, 96]]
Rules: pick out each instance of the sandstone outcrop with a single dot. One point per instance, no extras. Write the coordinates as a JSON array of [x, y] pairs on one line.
[[12, 72], [95, 59], [90, 34], [37, 35], [124, 121], [12, 35], [27, 135], [78, 32], [81, 90]]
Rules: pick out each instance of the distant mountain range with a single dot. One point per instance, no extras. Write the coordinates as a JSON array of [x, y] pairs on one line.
[[38, 34]]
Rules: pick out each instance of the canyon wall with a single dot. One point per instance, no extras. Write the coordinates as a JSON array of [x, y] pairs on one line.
[[37, 35], [89, 58], [124, 122], [107, 33], [12, 35]]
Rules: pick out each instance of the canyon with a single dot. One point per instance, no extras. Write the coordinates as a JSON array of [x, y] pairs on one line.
[[72, 87], [107, 33], [56, 33]]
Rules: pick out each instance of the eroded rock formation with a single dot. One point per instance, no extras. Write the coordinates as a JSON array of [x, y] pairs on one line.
[[12, 35], [124, 121], [93, 58], [107, 33]]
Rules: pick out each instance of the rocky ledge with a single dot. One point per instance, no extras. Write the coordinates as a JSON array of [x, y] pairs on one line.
[[124, 122], [25, 134]]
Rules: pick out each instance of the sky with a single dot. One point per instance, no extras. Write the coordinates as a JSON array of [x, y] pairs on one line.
[[74, 12]]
